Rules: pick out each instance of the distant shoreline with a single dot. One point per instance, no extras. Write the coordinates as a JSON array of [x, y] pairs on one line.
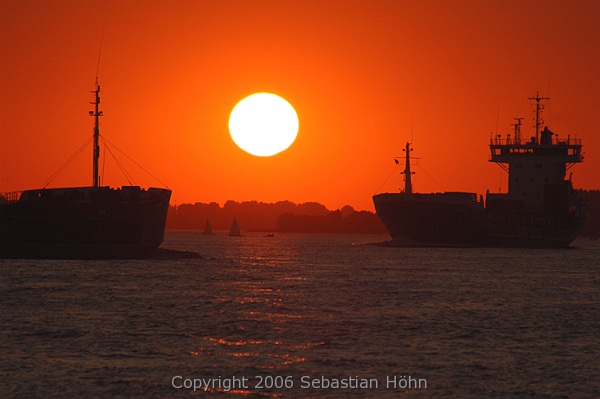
[[310, 217]]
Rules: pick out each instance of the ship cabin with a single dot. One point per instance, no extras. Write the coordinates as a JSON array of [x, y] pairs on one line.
[[536, 172]]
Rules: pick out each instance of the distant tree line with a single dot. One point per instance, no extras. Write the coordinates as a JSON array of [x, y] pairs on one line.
[[310, 217], [334, 222], [282, 216], [592, 225]]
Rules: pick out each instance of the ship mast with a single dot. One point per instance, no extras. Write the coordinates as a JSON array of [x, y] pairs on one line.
[[517, 127], [538, 109], [96, 113], [407, 172]]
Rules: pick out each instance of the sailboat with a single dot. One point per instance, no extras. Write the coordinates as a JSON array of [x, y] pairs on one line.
[[235, 229], [208, 228]]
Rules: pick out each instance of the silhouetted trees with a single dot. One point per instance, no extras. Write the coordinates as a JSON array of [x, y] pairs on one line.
[[283, 216], [310, 217], [592, 225], [333, 222]]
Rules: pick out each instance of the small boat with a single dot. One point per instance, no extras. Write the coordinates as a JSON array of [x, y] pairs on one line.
[[208, 228], [235, 229]]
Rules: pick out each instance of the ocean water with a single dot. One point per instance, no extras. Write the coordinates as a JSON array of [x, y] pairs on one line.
[[303, 316]]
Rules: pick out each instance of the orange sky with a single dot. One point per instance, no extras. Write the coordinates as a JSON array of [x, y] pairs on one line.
[[360, 74]]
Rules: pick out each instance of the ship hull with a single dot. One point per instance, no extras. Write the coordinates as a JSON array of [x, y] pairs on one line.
[[532, 231], [84, 223], [439, 220], [448, 219]]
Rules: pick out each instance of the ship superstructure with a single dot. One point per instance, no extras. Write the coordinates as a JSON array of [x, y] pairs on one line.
[[540, 209]]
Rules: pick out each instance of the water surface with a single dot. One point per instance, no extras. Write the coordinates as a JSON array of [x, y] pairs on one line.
[[304, 309]]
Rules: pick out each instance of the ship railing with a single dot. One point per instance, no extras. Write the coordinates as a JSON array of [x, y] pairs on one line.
[[11, 197], [556, 140]]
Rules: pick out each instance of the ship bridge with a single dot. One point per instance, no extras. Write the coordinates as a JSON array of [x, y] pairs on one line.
[[536, 168], [509, 150]]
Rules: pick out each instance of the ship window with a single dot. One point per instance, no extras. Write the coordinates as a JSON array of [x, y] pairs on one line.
[[524, 193], [531, 179], [538, 165], [538, 193], [546, 180], [516, 179]]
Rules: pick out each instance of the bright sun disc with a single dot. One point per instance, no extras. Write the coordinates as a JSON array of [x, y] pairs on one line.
[[263, 124]]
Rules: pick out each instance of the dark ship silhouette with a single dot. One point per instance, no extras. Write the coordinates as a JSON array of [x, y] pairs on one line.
[[540, 210], [83, 222]]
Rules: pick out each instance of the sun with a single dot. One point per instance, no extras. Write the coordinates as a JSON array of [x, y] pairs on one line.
[[263, 124]]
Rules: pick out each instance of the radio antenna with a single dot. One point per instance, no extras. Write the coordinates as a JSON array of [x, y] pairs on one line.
[[412, 128], [100, 51], [549, 78]]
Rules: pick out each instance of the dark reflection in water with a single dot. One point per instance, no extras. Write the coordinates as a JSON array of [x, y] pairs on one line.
[[471, 322]]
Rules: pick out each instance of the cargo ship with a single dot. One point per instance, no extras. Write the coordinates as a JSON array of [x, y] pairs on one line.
[[540, 210], [92, 222]]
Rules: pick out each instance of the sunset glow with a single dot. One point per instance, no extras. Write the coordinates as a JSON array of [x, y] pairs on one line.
[[263, 124], [364, 78]]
